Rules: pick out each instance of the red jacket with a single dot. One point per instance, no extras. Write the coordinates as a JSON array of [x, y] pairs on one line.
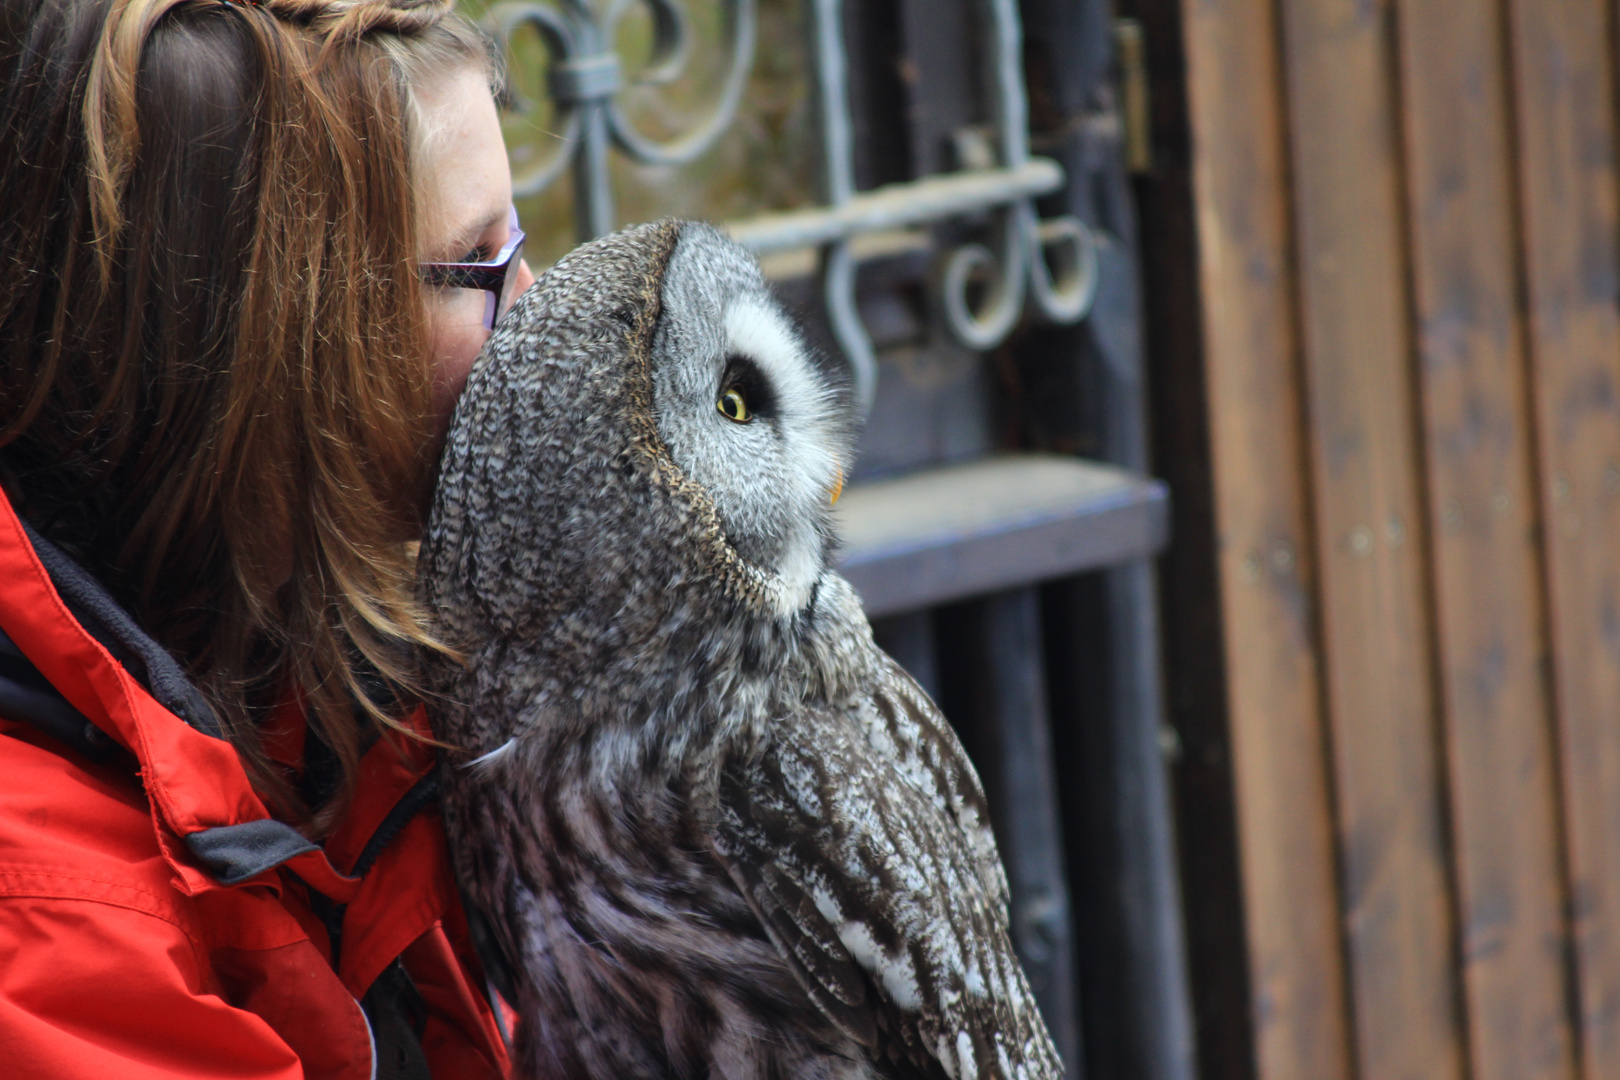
[[123, 956]]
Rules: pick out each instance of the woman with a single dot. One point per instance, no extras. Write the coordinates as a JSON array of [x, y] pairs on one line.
[[230, 343]]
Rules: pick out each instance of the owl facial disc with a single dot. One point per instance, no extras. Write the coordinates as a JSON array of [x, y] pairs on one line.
[[747, 412]]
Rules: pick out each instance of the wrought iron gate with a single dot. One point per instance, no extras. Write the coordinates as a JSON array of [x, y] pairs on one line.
[[987, 342]]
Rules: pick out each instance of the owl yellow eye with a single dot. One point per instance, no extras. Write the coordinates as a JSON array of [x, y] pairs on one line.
[[734, 406]]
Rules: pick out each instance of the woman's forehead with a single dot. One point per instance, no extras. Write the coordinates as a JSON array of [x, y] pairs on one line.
[[466, 182]]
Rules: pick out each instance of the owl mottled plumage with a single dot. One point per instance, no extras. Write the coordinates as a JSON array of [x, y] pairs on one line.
[[714, 830]]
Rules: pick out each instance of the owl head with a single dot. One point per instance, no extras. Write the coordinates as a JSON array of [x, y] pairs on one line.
[[646, 431]]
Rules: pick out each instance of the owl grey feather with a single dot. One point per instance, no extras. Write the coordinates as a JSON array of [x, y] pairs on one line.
[[714, 830]]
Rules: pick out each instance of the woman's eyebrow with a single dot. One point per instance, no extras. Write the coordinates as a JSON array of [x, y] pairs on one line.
[[467, 239]]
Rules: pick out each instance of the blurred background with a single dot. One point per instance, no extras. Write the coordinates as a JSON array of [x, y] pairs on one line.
[[1241, 470]]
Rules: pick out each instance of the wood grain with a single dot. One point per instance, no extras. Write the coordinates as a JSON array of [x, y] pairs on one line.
[[1564, 93], [1457, 123], [1285, 818], [1364, 455]]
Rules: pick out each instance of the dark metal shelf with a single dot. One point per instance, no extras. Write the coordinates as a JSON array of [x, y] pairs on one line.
[[961, 530]]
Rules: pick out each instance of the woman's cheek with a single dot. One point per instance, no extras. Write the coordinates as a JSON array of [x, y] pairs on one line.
[[456, 323]]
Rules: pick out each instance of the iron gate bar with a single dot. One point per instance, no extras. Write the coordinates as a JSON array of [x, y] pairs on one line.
[[1028, 829], [894, 206], [1018, 251]]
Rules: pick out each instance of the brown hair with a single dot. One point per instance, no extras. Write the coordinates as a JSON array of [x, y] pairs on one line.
[[216, 389]]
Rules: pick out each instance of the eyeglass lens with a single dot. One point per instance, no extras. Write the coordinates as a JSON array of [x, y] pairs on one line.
[[509, 283], [495, 307]]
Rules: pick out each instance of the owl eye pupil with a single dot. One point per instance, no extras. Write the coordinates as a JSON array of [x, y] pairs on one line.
[[734, 406]]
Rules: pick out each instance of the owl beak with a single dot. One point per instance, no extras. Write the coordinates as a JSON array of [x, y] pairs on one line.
[[838, 487]]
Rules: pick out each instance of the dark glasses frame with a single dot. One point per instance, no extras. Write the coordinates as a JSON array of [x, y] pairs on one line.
[[495, 278]]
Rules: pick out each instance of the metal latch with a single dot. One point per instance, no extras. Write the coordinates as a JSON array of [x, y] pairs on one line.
[[1131, 49]]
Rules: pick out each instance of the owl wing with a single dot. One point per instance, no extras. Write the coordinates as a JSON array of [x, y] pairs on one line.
[[875, 895], [900, 720]]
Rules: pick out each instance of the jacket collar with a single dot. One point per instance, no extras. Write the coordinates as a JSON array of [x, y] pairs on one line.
[[211, 826]]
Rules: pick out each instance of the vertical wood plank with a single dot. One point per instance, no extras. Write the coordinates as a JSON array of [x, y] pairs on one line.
[[1487, 581], [1284, 811], [1355, 323], [1565, 98]]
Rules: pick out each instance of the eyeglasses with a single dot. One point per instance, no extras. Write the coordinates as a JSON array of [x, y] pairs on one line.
[[497, 278]]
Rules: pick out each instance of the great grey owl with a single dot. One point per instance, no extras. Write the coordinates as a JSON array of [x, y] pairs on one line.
[[711, 828]]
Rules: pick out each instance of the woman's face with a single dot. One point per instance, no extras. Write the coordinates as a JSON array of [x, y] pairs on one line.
[[467, 197]]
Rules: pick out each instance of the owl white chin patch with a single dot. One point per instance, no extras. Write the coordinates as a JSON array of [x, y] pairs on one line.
[[800, 569]]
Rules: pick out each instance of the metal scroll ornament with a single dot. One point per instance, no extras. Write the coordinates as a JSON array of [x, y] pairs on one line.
[[984, 288], [586, 76]]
